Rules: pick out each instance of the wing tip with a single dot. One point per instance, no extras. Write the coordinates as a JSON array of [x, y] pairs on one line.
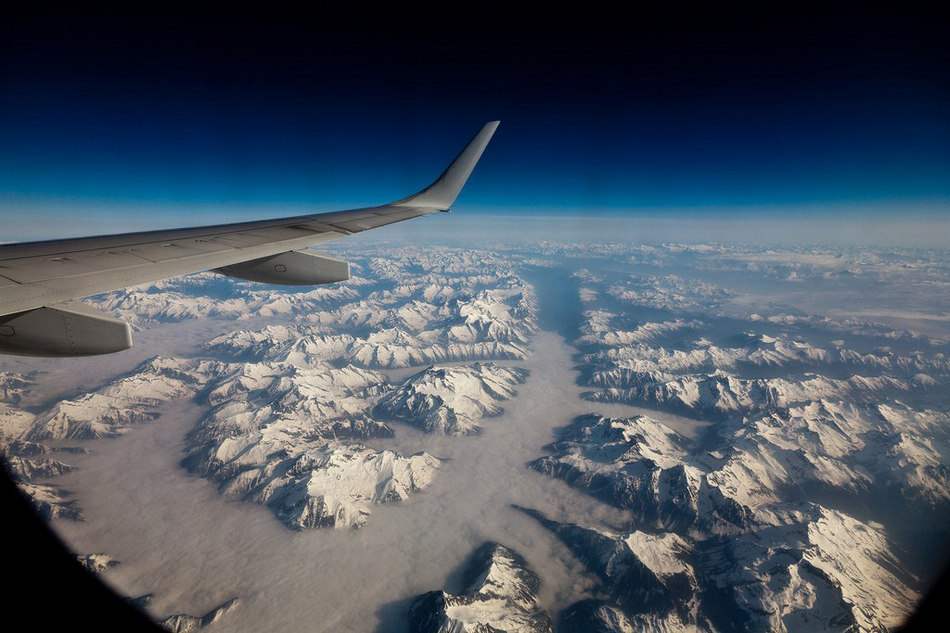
[[442, 193]]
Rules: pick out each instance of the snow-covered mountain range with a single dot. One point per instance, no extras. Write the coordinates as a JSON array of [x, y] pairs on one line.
[[812, 450], [290, 403], [804, 421], [817, 570]]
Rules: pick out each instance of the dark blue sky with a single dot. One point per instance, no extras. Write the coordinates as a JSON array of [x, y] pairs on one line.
[[665, 111]]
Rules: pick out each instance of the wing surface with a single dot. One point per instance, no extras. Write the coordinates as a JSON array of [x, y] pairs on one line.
[[36, 274]]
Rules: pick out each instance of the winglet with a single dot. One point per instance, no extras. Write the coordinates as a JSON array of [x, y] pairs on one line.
[[442, 193]]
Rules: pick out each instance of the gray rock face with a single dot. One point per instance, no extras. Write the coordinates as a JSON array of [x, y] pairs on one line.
[[182, 622], [501, 596]]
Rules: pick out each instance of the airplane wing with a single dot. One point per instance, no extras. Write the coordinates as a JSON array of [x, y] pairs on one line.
[[39, 281]]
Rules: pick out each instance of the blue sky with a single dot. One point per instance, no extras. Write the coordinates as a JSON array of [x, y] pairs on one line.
[[845, 111]]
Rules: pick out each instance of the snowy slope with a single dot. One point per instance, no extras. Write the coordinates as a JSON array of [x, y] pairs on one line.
[[642, 465], [500, 595], [452, 400]]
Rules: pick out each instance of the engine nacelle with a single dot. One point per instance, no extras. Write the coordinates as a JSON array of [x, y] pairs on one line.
[[293, 268], [67, 329]]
